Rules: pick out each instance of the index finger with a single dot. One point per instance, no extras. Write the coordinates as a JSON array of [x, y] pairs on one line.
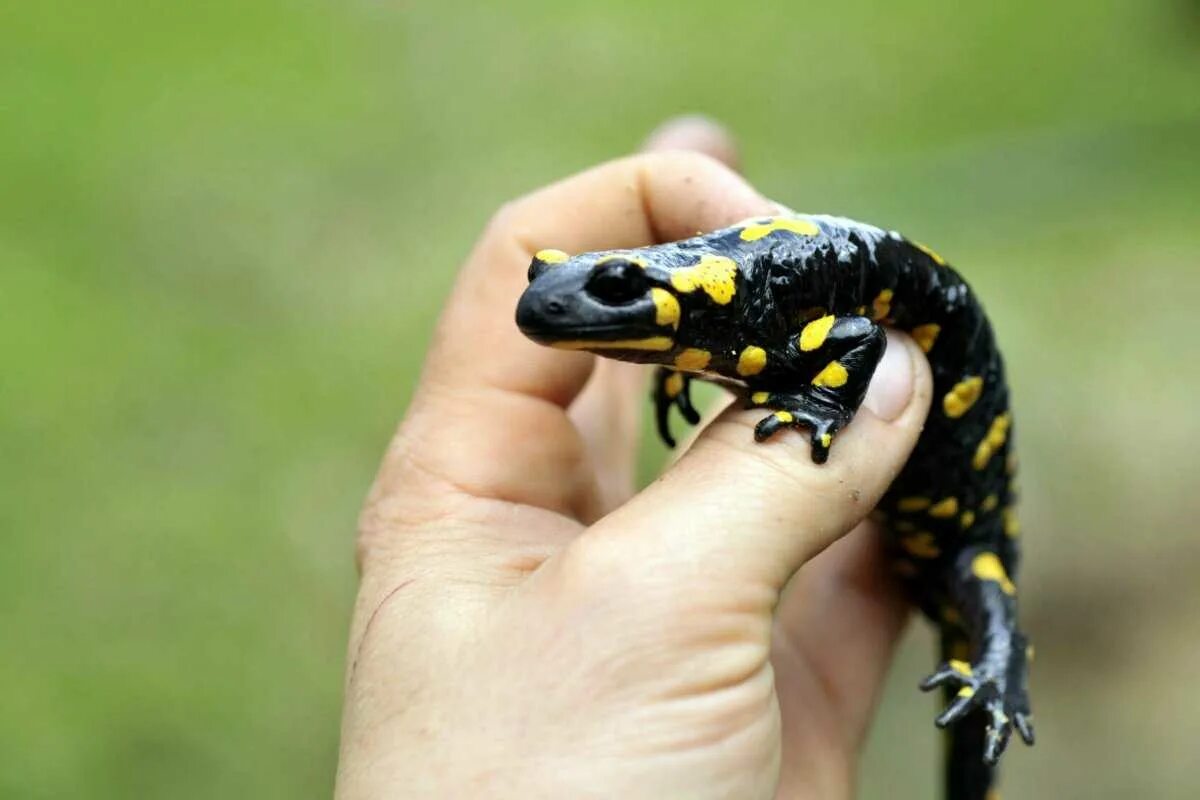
[[630, 202], [489, 410]]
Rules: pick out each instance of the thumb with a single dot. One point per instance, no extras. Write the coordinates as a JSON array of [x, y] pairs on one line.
[[761, 510]]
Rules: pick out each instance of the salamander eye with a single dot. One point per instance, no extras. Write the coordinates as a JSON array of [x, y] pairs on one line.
[[617, 281]]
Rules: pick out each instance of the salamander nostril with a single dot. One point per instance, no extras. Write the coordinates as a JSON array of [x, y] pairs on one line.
[[555, 307]]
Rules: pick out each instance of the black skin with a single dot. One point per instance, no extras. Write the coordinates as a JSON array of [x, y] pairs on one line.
[[947, 516]]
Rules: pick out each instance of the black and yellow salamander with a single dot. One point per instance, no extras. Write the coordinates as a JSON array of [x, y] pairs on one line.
[[788, 312]]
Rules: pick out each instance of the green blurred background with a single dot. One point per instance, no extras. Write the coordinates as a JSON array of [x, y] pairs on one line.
[[226, 229]]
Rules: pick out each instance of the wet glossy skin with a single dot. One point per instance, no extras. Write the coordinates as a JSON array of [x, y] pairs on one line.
[[788, 312]]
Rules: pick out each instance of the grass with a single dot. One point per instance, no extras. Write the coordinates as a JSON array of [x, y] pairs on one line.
[[225, 230]]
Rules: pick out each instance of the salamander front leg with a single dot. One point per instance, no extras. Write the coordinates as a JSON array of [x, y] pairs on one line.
[[823, 420], [672, 388], [837, 356], [995, 683]]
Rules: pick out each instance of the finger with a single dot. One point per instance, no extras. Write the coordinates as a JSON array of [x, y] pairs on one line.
[[631, 202], [719, 404], [487, 417], [838, 621], [762, 510], [607, 413], [697, 133], [608, 416]]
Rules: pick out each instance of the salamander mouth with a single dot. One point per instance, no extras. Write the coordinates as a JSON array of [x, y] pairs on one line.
[[548, 334]]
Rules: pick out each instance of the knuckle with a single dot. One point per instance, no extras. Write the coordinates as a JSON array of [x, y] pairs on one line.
[[404, 502]]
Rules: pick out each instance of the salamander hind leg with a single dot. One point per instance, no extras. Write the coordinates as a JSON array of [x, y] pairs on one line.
[[990, 691], [967, 776], [833, 360]]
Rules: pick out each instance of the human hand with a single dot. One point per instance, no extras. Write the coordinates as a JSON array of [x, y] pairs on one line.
[[526, 626]]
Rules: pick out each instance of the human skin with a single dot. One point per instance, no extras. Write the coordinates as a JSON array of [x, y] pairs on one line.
[[528, 626]]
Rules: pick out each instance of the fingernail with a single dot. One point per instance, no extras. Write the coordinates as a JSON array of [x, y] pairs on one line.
[[891, 387]]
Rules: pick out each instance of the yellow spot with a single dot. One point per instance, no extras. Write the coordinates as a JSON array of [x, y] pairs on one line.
[[784, 416], [966, 691], [834, 376], [814, 333], [666, 307], [959, 400], [987, 567], [967, 519], [914, 503], [861, 310], [941, 262], [759, 228], [693, 359], [550, 256], [758, 398], [1012, 526], [921, 545], [992, 794], [989, 503], [944, 509], [716, 275], [995, 438], [904, 526], [752, 361], [651, 343], [881, 306], [961, 667], [926, 335], [826, 439], [673, 385]]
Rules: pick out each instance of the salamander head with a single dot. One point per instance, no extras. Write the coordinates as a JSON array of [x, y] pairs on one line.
[[615, 303]]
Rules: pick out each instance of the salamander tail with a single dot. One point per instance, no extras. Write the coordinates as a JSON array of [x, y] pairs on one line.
[[967, 777]]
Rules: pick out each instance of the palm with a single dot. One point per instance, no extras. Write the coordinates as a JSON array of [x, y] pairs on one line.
[[827, 646]]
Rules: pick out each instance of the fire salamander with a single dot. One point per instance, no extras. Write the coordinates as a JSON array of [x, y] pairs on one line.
[[788, 312]]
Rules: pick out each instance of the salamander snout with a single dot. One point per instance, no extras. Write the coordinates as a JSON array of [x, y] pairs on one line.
[[593, 298], [540, 312]]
